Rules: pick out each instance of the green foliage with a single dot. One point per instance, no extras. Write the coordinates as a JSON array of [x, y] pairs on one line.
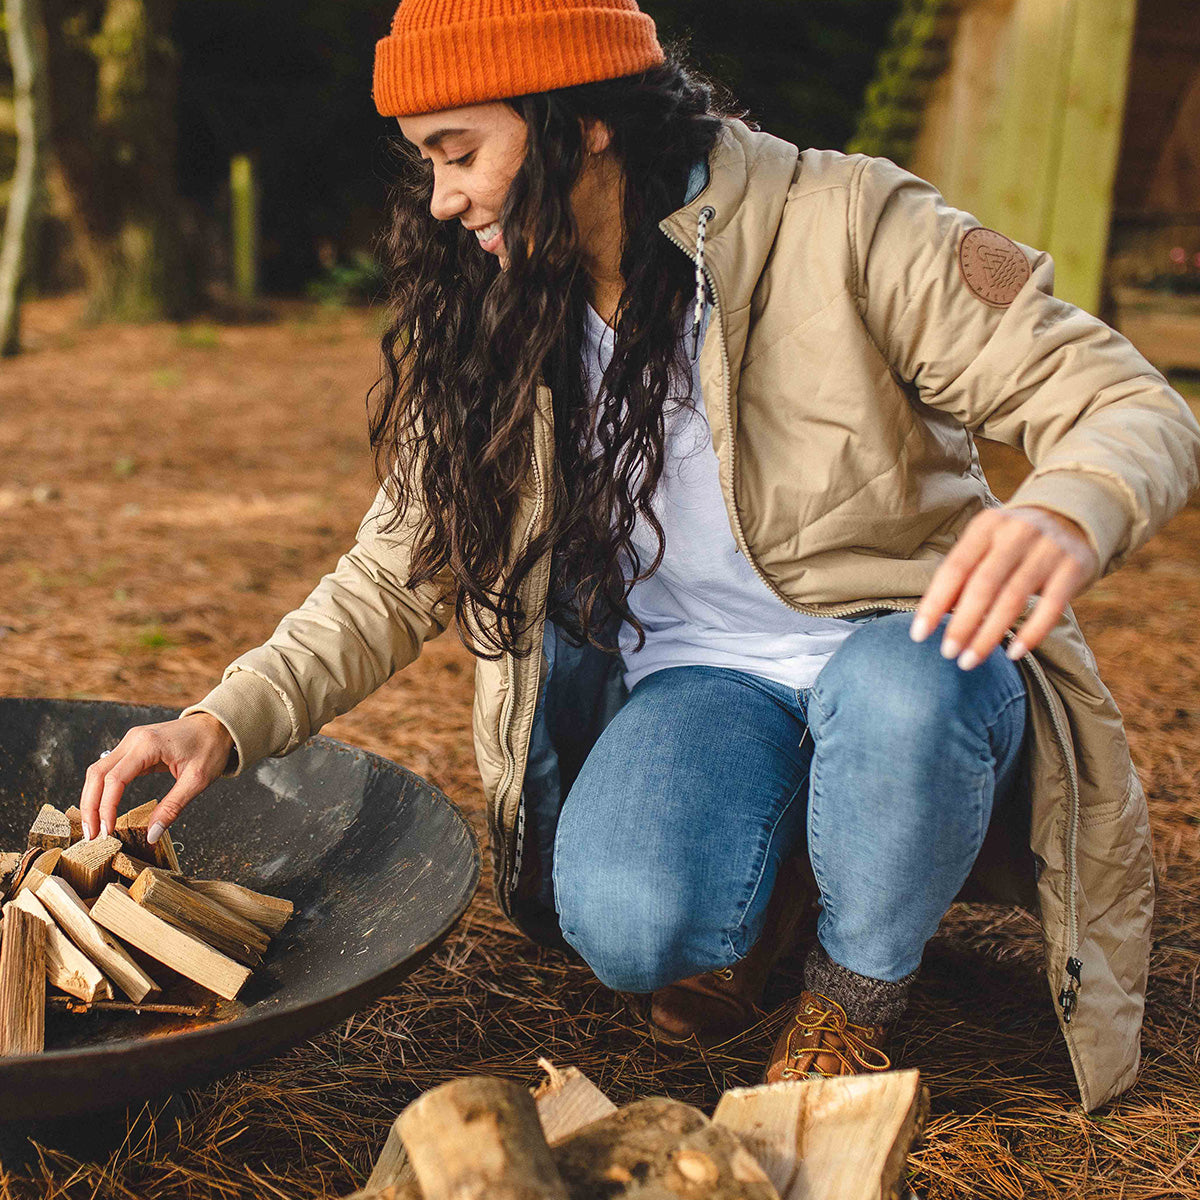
[[359, 281], [917, 52], [125, 467], [800, 68], [153, 638]]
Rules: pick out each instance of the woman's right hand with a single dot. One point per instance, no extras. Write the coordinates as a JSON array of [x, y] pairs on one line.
[[194, 749]]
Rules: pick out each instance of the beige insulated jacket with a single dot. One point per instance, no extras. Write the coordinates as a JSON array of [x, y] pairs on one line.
[[859, 337]]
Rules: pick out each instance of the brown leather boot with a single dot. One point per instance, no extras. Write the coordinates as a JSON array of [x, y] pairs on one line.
[[819, 1040], [716, 1006]]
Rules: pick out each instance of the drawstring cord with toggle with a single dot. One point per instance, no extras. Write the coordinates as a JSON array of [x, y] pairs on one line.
[[706, 214]]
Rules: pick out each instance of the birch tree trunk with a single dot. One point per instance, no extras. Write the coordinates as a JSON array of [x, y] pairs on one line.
[[30, 97]]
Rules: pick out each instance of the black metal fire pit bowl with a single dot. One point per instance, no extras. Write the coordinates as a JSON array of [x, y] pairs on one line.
[[379, 864]]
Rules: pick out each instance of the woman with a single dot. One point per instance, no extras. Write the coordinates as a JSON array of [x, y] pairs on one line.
[[677, 424]]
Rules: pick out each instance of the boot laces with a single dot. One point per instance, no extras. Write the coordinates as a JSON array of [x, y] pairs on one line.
[[856, 1054]]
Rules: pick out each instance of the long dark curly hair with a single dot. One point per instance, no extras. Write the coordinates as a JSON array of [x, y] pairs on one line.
[[451, 420]]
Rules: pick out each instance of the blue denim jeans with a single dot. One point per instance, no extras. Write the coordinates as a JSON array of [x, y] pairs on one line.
[[888, 768]]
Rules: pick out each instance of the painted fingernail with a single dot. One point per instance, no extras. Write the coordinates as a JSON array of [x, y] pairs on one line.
[[968, 660], [104, 829], [156, 831], [1017, 649], [950, 648], [919, 630]]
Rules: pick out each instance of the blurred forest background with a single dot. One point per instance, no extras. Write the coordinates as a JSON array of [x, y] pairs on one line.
[[152, 100]]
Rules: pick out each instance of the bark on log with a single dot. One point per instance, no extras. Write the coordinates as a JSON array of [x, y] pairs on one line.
[[410, 1190], [479, 1139], [18, 877], [10, 864], [22, 984], [566, 1101], [44, 864], [831, 1139], [659, 1149]]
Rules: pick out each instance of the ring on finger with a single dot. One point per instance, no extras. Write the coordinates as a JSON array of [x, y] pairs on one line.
[[105, 753]]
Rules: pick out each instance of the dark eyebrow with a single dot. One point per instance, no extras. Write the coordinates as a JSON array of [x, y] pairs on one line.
[[435, 139]]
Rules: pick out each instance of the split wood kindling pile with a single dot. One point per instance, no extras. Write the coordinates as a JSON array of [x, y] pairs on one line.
[[71, 925], [809, 1139]]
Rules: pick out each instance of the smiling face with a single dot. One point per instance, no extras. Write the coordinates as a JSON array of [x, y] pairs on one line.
[[476, 152]]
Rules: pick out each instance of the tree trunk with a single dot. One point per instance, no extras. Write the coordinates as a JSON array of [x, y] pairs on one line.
[[115, 138], [31, 110]]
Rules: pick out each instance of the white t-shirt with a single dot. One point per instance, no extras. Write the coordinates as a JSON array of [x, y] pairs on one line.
[[705, 605]]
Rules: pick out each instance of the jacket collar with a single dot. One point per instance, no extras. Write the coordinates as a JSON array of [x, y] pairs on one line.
[[745, 218]]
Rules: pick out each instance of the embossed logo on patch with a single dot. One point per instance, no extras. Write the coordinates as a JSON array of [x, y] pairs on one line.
[[994, 267]]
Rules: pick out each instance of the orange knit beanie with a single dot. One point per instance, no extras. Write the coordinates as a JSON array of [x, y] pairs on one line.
[[447, 53]]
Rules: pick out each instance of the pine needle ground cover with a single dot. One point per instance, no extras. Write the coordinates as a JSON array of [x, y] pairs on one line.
[[167, 494]]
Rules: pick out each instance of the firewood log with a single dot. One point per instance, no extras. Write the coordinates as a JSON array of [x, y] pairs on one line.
[[409, 1190], [67, 967], [659, 1149], [86, 866], [44, 863], [121, 915], [127, 866], [65, 906], [22, 984], [22, 870], [10, 863], [566, 1101], [831, 1139], [479, 1139], [202, 918], [75, 818], [269, 913], [50, 830], [133, 828]]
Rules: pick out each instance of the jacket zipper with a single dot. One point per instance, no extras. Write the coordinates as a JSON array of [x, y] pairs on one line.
[[1072, 978], [504, 823], [1072, 981]]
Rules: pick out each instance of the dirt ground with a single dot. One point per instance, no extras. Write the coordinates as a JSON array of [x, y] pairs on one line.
[[167, 493]]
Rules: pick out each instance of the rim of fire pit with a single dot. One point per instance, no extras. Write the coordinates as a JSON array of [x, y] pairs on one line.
[[322, 1013]]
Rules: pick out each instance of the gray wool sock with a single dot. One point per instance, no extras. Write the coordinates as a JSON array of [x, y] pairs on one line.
[[866, 1001]]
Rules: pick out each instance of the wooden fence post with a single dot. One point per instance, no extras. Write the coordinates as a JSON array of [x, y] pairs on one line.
[[243, 188]]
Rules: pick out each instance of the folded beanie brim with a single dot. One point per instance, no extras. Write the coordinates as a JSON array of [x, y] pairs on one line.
[[471, 62]]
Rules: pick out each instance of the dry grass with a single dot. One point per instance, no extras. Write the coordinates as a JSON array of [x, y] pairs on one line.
[[165, 499]]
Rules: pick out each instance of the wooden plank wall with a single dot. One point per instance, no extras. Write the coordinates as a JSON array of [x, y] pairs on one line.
[[1024, 128]]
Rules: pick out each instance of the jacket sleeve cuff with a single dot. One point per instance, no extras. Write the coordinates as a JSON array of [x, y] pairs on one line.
[[1094, 499], [257, 715]]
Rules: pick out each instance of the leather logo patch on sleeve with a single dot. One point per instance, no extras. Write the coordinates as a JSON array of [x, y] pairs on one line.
[[995, 267]]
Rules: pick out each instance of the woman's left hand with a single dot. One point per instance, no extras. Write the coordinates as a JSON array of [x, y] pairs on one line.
[[1003, 557]]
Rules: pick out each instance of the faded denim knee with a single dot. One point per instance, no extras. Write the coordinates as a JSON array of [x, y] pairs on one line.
[[636, 930]]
